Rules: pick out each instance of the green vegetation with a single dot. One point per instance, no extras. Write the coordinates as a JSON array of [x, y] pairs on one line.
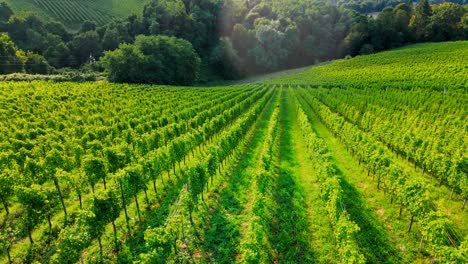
[[360, 160], [160, 59], [232, 38], [438, 66], [311, 167], [74, 12]]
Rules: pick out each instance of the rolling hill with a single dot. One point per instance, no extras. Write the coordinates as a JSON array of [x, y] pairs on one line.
[[356, 161], [73, 12]]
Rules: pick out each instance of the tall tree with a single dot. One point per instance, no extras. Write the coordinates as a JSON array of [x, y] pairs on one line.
[[9, 60], [420, 20]]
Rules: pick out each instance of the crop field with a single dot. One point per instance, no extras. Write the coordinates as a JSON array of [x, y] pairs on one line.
[[75, 12], [287, 170]]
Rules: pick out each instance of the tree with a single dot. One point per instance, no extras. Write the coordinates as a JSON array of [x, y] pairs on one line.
[[387, 29], [225, 61], [85, 47], [402, 13], [5, 12], [269, 52], [111, 39], [28, 32], [444, 24], [36, 64], [58, 29], [464, 26], [124, 64], [178, 59], [87, 26], [58, 55], [194, 21], [420, 20], [153, 59], [242, 39], [231, 13], [9, 60], [359, 33]]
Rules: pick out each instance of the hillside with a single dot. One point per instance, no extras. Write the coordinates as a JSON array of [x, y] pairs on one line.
[[428, 65], [283, 171], [74, 12]]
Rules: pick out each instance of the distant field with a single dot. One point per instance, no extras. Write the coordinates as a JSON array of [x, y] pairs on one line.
[[427, 65], [74, 12]]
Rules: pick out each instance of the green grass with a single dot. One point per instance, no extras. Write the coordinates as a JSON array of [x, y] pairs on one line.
[[74, 12]]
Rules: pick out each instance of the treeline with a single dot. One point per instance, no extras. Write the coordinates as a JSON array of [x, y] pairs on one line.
[[403, 24], [369, 6], [222, 39]]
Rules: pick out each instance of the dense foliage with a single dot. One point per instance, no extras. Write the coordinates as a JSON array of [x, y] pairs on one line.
[[368, 6], [235, 38], [159, 59], [13, 60]]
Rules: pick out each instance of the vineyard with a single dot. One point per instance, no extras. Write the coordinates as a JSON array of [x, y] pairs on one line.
[[285, 171], [75, 12]]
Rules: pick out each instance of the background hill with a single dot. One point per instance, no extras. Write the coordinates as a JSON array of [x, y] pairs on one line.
[[74, 12], [425, 65]]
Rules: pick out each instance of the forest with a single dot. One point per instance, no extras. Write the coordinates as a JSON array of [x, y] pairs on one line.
[[228, 39]]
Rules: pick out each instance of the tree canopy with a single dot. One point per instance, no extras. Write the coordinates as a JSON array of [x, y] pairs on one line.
[[153, 59]]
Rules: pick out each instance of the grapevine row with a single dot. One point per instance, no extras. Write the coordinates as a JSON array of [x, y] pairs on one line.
[[49, 194], [407, 193], [198, 177], [434, 146], [255, 246], [134, 179], [331, 192]]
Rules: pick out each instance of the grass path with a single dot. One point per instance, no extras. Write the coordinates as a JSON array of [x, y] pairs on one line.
[[319, 226], [291, 227]]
